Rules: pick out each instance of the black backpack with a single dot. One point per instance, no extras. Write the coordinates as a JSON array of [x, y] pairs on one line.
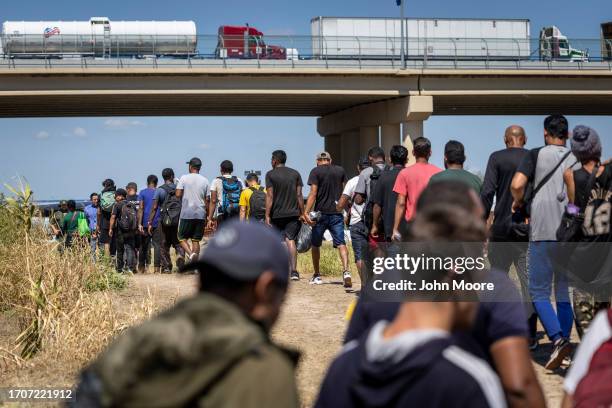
[[128, 217], [598, 211], [170, 211], [368, 210], [257, 204]]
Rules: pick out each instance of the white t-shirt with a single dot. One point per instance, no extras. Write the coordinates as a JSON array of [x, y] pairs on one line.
[[356, 210], [217, 185], [195, 189]]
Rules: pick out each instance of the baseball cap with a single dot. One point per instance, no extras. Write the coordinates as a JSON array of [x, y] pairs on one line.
[[195, 162], [364, 162], [243, 251], [323, 156]]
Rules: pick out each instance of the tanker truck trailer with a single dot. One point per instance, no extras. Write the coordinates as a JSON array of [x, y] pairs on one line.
[[98, 37]]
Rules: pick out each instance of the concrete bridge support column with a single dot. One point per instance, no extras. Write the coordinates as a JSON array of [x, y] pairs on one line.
[[368, 138], [333, 146], [410, 131], [389, 136], [359, 126], [350, 152]]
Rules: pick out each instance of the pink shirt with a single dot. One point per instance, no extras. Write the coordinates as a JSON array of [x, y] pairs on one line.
[[411, 182]]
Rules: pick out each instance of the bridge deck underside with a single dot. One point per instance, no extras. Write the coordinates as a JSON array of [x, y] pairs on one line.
[[286, 105], [291, 93]]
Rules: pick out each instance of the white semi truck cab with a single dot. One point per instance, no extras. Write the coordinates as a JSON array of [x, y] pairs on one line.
[[554, 46]]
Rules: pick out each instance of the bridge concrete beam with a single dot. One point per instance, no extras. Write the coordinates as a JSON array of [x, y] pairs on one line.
[[350, 151], [390, 135], [333, 146], [393, 111], [410, 131], [368, 138], [181, 91]]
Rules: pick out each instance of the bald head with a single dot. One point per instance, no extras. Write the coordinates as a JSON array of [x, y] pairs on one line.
[[515, 136]]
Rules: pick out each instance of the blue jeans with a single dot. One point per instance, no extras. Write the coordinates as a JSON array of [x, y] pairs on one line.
[[332, 222], [541, 274], [359, 240]]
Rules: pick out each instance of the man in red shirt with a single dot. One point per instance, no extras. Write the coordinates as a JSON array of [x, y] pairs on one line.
[[411, 182]]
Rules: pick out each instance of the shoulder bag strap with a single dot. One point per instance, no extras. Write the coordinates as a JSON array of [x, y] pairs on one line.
[[550, 174]]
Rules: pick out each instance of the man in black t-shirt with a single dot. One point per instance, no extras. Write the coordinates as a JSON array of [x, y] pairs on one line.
[[132, 198], [285, 204], [503, 252], [326, 183], [384, 197], [125, 238]]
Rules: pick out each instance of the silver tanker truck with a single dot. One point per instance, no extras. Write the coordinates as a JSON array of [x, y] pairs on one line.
[[98, 37]]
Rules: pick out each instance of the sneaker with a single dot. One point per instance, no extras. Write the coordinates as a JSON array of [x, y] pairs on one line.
[[316, 280], [562, 348], [295, 276], [346, 277], [533, 344], [567, 362]]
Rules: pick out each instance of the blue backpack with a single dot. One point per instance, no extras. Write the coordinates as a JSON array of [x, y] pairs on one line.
[[230, 201]]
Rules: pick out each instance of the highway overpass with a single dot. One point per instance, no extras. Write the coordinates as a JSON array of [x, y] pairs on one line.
[[352, 102]]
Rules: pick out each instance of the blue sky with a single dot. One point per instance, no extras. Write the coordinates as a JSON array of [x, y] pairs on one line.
[[69, 157]]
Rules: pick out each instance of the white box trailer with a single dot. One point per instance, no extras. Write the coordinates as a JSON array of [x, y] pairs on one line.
[[432, 38]]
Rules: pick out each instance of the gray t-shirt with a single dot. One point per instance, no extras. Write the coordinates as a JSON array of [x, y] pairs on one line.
[[195, 189], [546, 208], [363, 184]]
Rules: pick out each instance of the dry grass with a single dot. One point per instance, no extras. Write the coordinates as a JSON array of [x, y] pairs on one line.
[[329, 265], [58, 301]]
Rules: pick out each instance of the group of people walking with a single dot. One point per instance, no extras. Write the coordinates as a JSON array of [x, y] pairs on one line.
[[395, 354]]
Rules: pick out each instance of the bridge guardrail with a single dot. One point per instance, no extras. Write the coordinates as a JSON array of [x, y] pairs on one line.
[[64, 50]]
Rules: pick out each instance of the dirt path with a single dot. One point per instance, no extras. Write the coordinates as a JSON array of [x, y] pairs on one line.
[[312, 321]]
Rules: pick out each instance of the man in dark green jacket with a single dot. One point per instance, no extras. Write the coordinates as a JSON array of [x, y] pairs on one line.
[[211, 350]]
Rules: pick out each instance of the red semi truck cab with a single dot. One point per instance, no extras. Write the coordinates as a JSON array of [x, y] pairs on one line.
[[246, 42]]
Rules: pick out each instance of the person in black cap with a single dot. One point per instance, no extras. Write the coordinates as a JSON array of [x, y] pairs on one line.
[[212, 349], [326, 182], [192, 189]]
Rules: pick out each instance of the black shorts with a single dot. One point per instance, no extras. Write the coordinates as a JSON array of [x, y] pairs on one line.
[[289, 227], [191, 229], [170, 235], [104, 237]]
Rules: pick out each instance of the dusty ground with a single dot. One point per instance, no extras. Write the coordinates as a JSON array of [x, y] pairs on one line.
[[312, 321]]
